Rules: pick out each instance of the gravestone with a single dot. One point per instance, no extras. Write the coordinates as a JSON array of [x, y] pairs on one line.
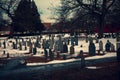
[[96, 38], [101, 46], [30, 47], [76, 40], [82, 59], [20, 46], [60, 43], [51, 42], [34, 50], [46, 54], [112, 47], [72, 50], [51, 55], [4, 44], [92, 49], [14, 47], [72, 41], [107, 46], [65, 48]]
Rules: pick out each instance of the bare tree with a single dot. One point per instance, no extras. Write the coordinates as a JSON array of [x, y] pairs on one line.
[[98, 9]]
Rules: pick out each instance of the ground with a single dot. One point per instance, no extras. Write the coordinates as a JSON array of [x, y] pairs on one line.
[[105, 71]]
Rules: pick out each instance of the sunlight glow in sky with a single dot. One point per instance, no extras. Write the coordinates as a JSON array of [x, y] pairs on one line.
[[45, 6]]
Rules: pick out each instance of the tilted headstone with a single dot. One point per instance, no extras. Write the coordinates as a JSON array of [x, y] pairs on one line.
[[72, 50], [92, 49]]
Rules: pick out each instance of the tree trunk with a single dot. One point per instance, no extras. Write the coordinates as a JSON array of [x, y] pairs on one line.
[[100, 26]]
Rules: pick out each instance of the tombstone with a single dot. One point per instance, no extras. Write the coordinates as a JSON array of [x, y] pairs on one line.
[[107, 46], [30, 47], [76, 40], [72, 41], [101, 46], [82, 59], [65, 48], [34, 50], [20, 46], [8, 55], [4, 44], [112, 47], [14, 47], [97, 40], [51, 42], [14, 63], [92, 49], [4, 52], [51, 55], [46, 54], [72, 50], [60, 43]]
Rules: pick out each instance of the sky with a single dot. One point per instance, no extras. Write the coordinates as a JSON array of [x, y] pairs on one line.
[[45, 6]]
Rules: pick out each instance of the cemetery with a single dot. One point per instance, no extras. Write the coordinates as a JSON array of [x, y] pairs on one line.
[[34, 52], [59, 40]]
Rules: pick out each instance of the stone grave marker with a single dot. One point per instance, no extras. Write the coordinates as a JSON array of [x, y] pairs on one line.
[[92, 49], [72, 50]]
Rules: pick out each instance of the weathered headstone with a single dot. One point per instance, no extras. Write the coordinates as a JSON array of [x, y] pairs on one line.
[[34, 50], [72, 50], [65, 48], [4, 44], [20, 46], [112, 47], [72, 41], [30, 47], [51, 42], [76, 40], [96, 38], [108, 46], [92, 49], [82, 59], [46, 54]]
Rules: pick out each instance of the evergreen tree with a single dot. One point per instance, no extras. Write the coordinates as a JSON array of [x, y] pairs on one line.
[[27, 18]]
